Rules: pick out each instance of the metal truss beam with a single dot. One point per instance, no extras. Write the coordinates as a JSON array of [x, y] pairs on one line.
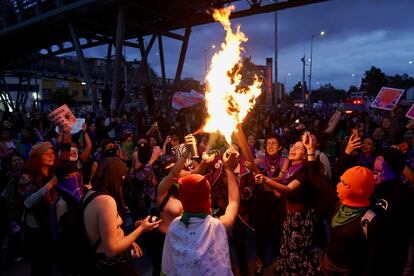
[[47, 15], [81, 59], [182, 56], [162, 62], [120, 32], [5, 97]]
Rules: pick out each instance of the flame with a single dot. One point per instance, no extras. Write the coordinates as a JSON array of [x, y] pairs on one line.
[[227, 102]]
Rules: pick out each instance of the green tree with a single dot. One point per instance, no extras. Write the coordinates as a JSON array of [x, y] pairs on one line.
[[401, 81], [373, 81], [352, 88], [328, 94], [296, 94]]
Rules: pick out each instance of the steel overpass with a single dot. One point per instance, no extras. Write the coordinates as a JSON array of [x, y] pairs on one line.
[[31, 30]]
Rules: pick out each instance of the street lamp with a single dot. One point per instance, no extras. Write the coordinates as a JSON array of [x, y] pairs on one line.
[[322, 33], [205, 56], [287, 75], [356, 78]]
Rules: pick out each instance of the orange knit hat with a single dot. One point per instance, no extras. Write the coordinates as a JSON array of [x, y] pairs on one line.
[[356, 187], [195, 193]]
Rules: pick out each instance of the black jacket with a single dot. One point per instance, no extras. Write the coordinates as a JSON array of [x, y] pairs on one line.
[[347, 247]]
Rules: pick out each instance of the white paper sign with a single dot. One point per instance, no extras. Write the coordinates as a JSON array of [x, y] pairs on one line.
[[76, 127], [62, 116]]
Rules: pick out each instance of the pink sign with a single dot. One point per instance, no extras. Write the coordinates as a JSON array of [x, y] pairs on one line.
[[410, 113], [62, 116], [186, 99], [387, 98]]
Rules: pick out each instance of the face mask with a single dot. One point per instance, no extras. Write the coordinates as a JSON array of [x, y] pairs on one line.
[[73, 154], [73, 186], [143, 148]]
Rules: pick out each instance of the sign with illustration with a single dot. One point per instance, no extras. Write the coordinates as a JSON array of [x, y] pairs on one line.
[[387, 98], [410, 113], [62, 116]]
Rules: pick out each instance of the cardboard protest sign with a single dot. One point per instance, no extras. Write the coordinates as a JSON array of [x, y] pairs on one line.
[[410, 113], [76, 127], [62, 116], [387, 98]]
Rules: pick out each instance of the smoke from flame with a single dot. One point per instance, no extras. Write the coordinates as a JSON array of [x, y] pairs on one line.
[[227, 102]]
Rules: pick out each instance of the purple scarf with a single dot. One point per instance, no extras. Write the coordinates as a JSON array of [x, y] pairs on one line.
[[73, 186], [271, 164], [292, 169]]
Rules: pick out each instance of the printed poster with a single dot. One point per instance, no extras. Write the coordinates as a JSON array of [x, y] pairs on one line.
[[387, 98], [76, 127], [62, 116], [410, 113]]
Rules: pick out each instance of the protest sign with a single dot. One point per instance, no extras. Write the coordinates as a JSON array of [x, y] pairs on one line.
[[186, 99], [387, 98], [410, 113], [76, 127], [62, 116]]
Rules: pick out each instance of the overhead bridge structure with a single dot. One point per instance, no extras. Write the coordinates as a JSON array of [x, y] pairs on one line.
[[31, 30]]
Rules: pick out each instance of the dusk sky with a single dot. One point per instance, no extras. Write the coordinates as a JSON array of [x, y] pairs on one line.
[[359, 34]]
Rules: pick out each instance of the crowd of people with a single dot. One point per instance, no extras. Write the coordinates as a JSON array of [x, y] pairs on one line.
[[331, 193]]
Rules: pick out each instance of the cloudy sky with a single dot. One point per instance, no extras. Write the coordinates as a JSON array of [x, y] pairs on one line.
[[359, 34]]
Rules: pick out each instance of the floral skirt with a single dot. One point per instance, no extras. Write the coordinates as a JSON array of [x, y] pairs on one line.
[[299, 254]]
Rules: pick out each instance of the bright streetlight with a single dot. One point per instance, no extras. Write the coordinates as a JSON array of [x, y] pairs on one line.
[[322, 33], [356, 78], [410, 62], [286, 76]]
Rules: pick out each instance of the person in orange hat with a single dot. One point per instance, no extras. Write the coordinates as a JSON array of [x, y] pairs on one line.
[[196, 243], [361, 237]]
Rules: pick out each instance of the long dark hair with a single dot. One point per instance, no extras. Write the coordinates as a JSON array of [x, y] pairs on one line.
[[110, 178]]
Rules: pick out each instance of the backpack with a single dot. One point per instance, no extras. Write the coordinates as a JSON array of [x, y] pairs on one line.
[[72, 248], [380, 206]]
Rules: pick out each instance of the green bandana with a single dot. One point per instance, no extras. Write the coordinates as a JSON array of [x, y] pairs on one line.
[[186, 216], [346, 214], [128, 147]]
